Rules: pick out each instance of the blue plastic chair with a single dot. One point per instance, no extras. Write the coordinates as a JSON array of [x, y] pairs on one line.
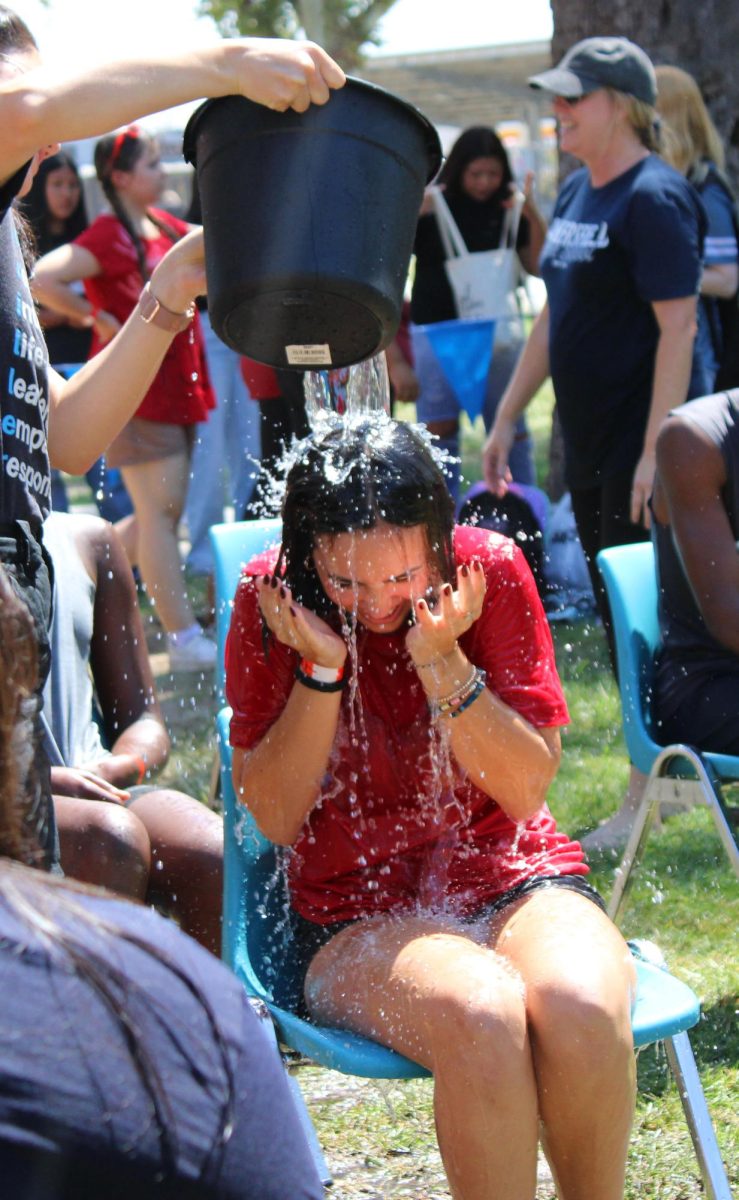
[[676, 772], [665, 1007]]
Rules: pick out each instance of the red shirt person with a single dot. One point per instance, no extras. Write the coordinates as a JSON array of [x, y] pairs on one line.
[[396, 727]]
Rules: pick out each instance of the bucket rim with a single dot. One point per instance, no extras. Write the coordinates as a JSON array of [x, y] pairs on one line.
[[433, 141]]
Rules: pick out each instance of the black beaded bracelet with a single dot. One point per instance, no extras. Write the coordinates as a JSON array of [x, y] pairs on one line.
[[318, 685]]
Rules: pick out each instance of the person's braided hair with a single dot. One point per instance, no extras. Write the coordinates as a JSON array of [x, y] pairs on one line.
[[121, 152]]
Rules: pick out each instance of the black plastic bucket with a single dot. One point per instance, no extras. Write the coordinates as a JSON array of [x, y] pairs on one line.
[[309, 221]]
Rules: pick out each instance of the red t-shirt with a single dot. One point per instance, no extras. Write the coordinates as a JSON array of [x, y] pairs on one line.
[[393, 827], [181, 393]]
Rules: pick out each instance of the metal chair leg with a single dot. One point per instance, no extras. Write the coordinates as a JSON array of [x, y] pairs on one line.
[[657, 785], [643, 822], [683, 1067]]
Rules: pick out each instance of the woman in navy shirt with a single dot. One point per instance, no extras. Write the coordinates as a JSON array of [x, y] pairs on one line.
[[622, 265]]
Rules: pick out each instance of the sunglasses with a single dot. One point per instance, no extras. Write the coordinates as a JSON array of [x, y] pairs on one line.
[[572, 101]]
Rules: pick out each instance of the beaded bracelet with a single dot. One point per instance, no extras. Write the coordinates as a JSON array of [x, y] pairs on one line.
[[477, 690], [456, 696], [460, 699]]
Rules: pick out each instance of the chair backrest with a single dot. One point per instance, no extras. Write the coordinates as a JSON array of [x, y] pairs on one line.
[[631, 584], [234, 545]]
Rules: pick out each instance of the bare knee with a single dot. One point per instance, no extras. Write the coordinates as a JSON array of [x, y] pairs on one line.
[[457, 1009], [480, 1026], [186, 837], [107, 846], [581, 1020]]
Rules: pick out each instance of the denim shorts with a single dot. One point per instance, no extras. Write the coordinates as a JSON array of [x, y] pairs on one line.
[[306, 938]]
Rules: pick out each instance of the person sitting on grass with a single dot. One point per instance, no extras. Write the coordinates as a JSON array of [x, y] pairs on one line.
[[396, 714], [140, 839], [131, 1061]]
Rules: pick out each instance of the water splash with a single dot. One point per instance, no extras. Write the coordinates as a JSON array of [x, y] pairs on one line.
[[345, 395]]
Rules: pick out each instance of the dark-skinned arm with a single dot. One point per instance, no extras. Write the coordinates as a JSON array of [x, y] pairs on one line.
[[690, 475], [121, 672]]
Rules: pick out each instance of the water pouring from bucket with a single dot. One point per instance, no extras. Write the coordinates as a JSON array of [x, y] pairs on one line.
[[349, 394]]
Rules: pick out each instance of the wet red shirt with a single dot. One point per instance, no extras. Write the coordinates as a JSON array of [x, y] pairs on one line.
[[181, 393], [395, 824]]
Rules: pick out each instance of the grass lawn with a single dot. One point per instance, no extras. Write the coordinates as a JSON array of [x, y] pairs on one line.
[[378, 1138]]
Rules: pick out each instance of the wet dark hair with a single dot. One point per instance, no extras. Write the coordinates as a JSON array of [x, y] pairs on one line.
[[479, 141], [121, 152], [356, 477], [35, 209]]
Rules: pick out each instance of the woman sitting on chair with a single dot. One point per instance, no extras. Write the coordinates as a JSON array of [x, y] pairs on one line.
[[396, 724]]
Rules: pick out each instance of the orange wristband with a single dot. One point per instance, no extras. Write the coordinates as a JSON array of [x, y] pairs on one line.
[[141, 764]]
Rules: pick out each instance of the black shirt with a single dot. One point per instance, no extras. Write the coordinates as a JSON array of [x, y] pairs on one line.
[[25, 482], [481, 225]]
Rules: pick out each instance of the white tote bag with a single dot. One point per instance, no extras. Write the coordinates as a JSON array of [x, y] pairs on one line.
[[484, 281]]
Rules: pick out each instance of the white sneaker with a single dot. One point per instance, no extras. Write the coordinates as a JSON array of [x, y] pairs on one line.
[[199, 653]]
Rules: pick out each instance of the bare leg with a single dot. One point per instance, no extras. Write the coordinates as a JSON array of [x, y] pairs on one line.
[[579, 979], [187, 861], [426, 989], [157, 490], [103, 844]]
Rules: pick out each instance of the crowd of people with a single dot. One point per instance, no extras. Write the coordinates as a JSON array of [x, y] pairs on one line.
[[396, 703]]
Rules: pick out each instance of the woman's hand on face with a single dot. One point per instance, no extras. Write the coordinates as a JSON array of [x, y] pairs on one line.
[[297, 626], [282, 74], [436, 630]]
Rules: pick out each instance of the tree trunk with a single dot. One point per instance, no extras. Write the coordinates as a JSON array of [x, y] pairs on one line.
[[701, 36], [311, 16]]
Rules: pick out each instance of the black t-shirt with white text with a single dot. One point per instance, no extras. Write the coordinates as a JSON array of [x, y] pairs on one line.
[[25, 483]]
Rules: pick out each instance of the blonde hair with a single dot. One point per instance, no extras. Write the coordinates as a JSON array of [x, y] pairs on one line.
[[691, 134], [642, 118]]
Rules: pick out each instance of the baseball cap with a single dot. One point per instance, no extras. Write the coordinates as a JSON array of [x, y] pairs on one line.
[[599, 62]]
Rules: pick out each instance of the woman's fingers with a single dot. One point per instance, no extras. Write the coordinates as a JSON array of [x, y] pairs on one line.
[[283, 74], [296, 626], [470, 592]]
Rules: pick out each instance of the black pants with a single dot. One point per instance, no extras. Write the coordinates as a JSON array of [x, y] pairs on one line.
[[30, 573], [602, 519]]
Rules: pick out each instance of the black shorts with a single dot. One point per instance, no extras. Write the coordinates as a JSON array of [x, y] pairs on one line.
[[303, 939]]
